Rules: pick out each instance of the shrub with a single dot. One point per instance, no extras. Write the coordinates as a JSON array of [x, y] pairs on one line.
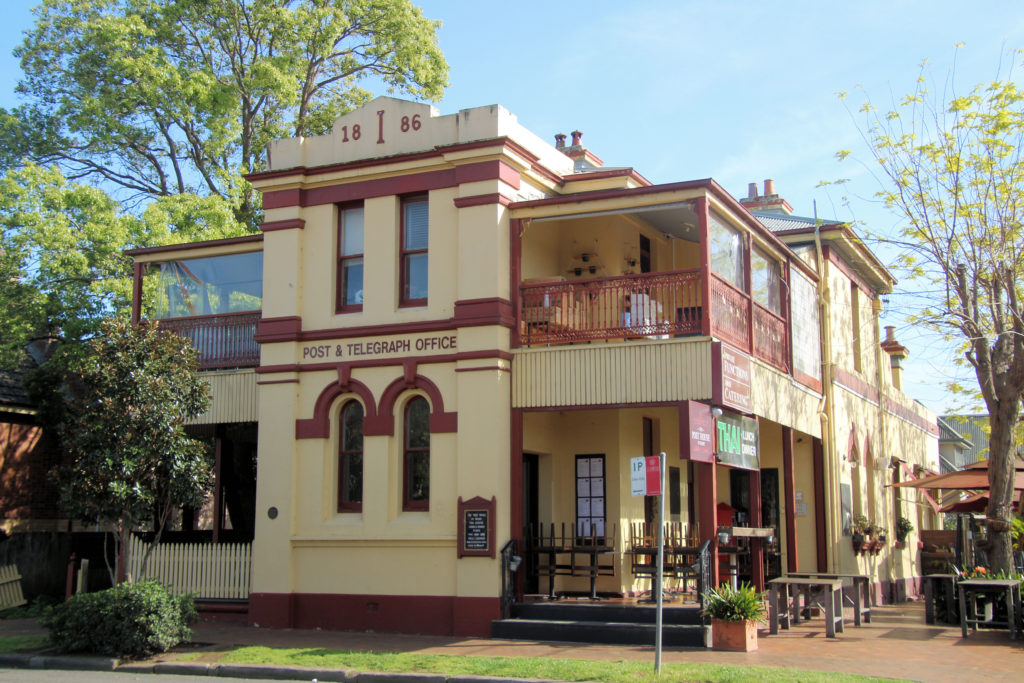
[[735, 604], [129, 620]]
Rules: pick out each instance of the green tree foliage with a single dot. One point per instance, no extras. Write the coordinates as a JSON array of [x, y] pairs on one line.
[[951, 165], [163, 97], [129, 462], [63, 268]]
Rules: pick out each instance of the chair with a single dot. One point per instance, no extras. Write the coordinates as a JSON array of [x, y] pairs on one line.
[[642, 551], [551, 309]]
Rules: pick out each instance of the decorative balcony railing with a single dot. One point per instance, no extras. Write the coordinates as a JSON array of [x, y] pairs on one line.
[[652, 305], [226, 340], [630, 306]]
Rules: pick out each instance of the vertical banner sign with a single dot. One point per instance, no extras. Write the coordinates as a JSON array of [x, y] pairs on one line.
[[730, 378], [653, 475], [696, 432], [637, 477]]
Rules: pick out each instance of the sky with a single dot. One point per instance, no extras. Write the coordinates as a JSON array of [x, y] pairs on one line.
[[738, 91]]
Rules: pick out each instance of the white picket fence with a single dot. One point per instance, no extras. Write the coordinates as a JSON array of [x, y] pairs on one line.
[[10, 587], [212, 571]]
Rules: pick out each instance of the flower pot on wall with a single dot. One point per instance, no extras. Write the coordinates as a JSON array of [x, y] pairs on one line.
[[734, 636]]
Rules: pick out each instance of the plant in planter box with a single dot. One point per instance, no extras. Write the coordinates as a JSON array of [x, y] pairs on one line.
[[860, 527], [734, 614]]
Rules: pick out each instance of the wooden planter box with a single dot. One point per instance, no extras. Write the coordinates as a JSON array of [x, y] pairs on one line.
[[733, 636]]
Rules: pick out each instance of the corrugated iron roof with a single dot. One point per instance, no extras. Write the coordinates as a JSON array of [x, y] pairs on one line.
[[973, 428], [780, 223]]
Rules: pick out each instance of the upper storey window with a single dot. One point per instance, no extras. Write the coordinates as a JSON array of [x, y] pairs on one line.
[[414, 251], [766, 281], [350, 260], [727, 252], [212, 285]]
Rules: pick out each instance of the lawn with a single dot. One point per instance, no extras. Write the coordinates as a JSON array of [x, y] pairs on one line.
[[21, 643]]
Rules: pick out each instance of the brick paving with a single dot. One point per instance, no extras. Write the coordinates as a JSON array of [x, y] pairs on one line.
[[897, 644]]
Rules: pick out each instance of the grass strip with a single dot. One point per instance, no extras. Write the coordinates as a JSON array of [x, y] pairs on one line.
[[22, 643], [524, 667]]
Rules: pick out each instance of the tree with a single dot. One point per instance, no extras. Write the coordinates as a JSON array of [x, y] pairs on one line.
[[951, 166], [162, 97], [63, 269], [129, 461]]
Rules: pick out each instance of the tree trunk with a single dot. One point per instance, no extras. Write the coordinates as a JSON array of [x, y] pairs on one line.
[[1001, 476]]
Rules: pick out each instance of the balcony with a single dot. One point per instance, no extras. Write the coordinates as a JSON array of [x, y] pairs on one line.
[[225, 340], [650, 306]]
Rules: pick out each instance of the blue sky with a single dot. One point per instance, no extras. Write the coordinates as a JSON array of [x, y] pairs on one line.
[[736, 91]]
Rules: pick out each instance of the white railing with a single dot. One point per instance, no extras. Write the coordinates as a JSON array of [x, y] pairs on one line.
[[10, 587], [209, 571]]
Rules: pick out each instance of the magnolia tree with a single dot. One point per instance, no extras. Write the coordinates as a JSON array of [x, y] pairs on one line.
[[129, 462], [951, 166]]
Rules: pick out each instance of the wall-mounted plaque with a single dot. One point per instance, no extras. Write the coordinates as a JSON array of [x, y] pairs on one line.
[[476, 527]]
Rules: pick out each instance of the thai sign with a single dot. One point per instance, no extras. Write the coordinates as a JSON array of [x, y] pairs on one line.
[[380, 347], [738, 441], [696, 432], [730, 377]]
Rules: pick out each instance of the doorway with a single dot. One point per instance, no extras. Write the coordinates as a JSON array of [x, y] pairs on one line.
[[531, 518]]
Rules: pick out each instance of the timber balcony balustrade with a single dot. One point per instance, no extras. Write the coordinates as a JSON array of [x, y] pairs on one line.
[[224, 340], [653, 306]]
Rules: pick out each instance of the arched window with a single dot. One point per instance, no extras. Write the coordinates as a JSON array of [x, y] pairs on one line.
[[350, 458], [416, 458]]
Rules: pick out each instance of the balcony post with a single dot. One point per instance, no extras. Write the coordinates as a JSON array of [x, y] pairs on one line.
[[705, 266], [137, 273]]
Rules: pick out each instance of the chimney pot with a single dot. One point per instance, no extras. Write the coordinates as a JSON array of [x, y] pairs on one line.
[[576, 137], [769, 187], [890, 333], [560, 140], [752, 190]]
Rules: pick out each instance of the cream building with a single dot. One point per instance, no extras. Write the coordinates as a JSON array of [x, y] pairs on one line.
[[459, 338]]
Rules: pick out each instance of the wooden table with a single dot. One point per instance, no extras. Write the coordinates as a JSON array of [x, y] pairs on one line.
[[934, 585], [783, 586], [592, 568], [861, 592], [970, 589]]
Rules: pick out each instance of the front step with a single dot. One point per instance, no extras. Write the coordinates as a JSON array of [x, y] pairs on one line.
[[608, 624], [602, 632]]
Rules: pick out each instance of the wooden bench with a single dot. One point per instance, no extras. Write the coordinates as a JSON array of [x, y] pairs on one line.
[[861, 601], [780, 612]]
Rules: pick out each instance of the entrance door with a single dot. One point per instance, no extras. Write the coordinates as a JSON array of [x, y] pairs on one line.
[[531, 518]]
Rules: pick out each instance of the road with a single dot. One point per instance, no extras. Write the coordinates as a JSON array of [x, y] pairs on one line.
[[58, 676]]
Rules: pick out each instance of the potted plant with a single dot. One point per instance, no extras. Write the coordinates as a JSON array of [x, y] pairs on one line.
[[734, 614], [903, 529], [860, 528]]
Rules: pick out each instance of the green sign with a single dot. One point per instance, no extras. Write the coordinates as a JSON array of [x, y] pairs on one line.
[[737, 441]]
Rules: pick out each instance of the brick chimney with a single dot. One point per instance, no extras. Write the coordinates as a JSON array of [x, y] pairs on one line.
[[583, 159], [897, 354], [769, 202]]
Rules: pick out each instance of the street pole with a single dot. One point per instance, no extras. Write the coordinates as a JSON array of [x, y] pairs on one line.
[[661, 567]]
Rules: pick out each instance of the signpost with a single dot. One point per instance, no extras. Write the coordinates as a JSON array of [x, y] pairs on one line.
[[646, 477]]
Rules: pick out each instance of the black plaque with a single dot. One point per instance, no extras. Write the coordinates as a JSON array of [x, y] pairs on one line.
[[477, 530]]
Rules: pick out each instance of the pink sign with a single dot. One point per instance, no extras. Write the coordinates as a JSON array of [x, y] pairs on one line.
[[696, 432], [653, 475], [730, 378]]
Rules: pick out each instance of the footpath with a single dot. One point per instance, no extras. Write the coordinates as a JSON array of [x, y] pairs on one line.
[[896, 644]]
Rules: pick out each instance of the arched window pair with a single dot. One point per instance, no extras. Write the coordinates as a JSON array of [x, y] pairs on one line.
[[415, 456]]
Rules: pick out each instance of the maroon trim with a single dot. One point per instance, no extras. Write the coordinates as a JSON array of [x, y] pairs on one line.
[[482, 200], [820, 510], [483, 367], [608, 173], [440, 421], [245, 239], [282, 198], [835, 259], [376, 330], [806, 380], [852, 381], [756, 544], [487, 170], [319, 426], [137, 273], [489, 311], [280, 329], [515, 476], [436, 615], [277, 381], [288, 224], [789, 499], [903, 412]]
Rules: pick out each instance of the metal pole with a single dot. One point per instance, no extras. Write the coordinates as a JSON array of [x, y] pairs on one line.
[[661, 567]]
